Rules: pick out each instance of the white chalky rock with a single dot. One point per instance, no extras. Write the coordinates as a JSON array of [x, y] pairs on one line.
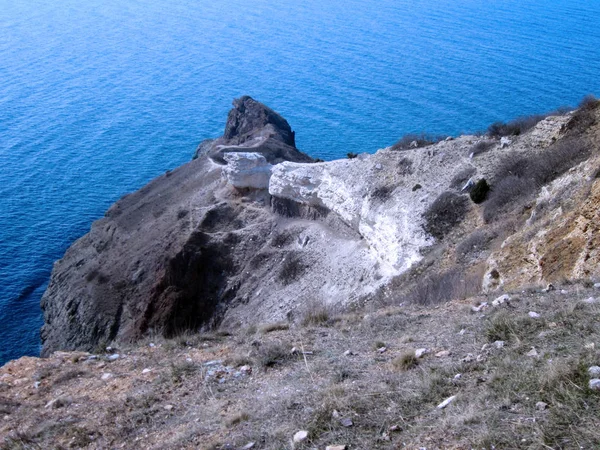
[[446, 402], [300, 436], [247, 170], [594, 371]]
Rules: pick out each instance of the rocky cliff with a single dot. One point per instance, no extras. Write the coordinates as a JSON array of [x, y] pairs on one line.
[[252, 230]]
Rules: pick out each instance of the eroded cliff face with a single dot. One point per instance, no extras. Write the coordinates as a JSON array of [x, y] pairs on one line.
[[253, 231]]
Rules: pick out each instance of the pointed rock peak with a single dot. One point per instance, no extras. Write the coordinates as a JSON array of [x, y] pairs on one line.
[[249, 118]]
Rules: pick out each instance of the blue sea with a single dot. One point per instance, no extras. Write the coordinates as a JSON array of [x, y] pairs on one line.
[[97, 97]]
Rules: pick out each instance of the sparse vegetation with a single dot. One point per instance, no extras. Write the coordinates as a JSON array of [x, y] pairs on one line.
[[585, 116], [515, 127], [442, 287], [461, 178], [472, 246], [519, 177], [351, 155], [409, 141], [180, 370], [316, 314], [292, 269], [276, 326], [481, 147]]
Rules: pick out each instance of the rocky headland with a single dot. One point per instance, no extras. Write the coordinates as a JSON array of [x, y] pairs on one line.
[[254, 269]]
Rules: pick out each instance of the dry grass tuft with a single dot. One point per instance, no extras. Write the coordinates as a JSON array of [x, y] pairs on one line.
[[405, 361], [270, 327], [237, 419]]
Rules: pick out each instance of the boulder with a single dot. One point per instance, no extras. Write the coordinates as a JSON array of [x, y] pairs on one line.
[[247, 170]]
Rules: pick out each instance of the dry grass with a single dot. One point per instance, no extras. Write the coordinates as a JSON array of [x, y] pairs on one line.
[[405, 361], [390, 397], [277, 326]]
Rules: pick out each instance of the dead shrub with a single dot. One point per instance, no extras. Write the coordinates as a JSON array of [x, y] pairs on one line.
[[272, 354], [447, 211], [316, 313], [237, 419], [515, 127], [507, 192], [405, 361], [277, 326]]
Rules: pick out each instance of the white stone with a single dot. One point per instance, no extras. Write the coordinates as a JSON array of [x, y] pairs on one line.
[[480, 307], [113, 357], [145, 371], [499, 344], [106, 376], [420, 352], [300, 436], [458, 376], [540, 406], [336, 447], [590, 300], [168, 407], [594, 384], [532, 353], [594, 371], [501, 300], [446, 402], [443, 354], [505, 142], [247, 170], [534, 315]]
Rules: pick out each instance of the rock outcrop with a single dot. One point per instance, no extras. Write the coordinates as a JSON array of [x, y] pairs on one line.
[[253, 127], [253, 231]]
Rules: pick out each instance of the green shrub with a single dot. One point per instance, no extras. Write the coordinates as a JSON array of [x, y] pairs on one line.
[[479, 191]]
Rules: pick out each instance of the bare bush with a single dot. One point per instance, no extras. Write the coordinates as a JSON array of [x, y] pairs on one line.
[[518, 177], [508, 191], [515, 127], [272, 354], [447, 211]]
